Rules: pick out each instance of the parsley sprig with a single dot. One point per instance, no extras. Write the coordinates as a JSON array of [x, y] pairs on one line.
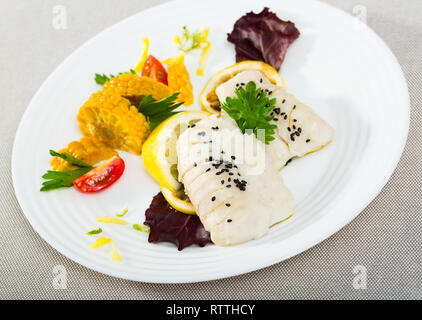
[[103, 78], [192, 40], [64, 179], [71, 159], [158, 111], [250, 109]]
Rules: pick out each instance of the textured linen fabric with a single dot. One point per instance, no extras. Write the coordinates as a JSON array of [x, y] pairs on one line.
[[385, 238]]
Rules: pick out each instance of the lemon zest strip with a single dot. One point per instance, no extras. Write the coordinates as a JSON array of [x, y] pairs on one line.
[[123, 211], [100, 242], [204, 58], [114, 254], [144, 56], [141, 228], [111, 220]]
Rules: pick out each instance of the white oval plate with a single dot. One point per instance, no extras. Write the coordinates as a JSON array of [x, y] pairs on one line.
[[338, 66]]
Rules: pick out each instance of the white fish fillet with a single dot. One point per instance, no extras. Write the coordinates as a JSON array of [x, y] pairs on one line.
[[300, 129], [257, 197], [230, 214]]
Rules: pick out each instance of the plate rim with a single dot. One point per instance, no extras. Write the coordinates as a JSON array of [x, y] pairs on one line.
[[327, 233]]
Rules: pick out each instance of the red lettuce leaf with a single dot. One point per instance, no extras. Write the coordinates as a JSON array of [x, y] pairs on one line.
[[263, 37], [168, 224]]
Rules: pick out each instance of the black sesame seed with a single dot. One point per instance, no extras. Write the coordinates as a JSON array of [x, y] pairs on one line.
[[299, 129], [222, 181], [202, 133], [218, 173], [276, 110], [229, 186], [284, 100], [208, 169], [260, 80], [288, 161], [210, 158], [269, 93], [228, 204], [231, 173], [242, 84], [229, 220], [229, 179], [294, 127], [193, 125], [308, 140], [195, 164], [285, 117], [297, 133], [275, 119], [294, 120], [233, 157], [213, 198], [294, 107], [288, 129]]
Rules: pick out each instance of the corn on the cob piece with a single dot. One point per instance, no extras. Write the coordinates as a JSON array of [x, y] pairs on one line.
[[132, 85], [112, 116], [89, 150], [113, 120], [178, 79]]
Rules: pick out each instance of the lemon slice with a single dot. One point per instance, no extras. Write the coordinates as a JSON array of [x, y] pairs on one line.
[[159, 150], [178, 200], [208, 98]]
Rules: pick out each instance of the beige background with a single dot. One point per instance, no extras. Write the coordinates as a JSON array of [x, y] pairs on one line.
[[385, 238]]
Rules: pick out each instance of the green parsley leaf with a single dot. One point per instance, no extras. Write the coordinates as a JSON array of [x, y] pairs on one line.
[[141, 228], [62, 179], [103, 78], [72, 160], [158, 111], [95, 231], [250, 109], [190, 41]]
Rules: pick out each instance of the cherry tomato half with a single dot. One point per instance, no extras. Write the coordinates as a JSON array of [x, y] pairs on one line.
[[101, 177], [154, 69]]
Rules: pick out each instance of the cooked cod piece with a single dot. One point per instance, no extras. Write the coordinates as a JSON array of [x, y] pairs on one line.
[[237, 193], [299, 128]]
